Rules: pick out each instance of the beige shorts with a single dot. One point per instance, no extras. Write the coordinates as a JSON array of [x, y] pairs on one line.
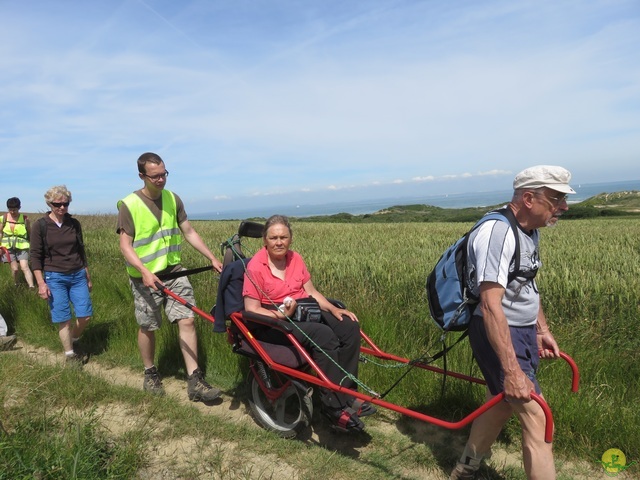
[[18, 255], [149, 303]]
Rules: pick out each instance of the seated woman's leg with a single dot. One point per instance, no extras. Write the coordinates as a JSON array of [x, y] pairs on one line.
[[324, 346], [319, 340], [348, 333]]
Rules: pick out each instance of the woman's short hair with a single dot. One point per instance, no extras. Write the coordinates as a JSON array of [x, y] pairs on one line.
[[276, 220], [57, 192], [13, 202]]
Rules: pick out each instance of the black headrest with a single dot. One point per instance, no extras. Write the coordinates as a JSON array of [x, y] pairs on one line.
[[250, 229]]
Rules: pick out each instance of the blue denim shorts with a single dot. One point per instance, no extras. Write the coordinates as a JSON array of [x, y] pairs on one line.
[[525, 345], [68, 289]]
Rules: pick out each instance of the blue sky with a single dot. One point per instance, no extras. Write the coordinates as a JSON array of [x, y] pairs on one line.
[[279, 101]]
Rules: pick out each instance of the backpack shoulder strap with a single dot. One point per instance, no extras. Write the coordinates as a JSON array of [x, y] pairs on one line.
[[76, 224], [78, 228], [42, 226], [507, 213]]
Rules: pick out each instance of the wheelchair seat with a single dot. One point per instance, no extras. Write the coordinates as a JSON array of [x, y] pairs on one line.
[[230, 301], [286, 355]]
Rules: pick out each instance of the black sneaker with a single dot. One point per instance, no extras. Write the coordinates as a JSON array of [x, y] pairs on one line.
[[152, 382], [77, 360], [7, 341], [77, 348], [343, 419], [199, 390]]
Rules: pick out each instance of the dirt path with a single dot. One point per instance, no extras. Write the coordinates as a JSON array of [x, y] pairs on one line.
[[171, 456], [169, 459]]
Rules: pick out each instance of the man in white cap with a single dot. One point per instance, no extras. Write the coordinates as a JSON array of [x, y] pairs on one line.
[[508, 332]]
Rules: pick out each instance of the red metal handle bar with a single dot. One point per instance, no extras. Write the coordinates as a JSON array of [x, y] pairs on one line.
[[181, 300], [375, 351], [422, 365], [321, 378], [575, 373], [548, 427], [322, 381]]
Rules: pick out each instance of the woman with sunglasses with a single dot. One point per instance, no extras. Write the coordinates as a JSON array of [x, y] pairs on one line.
[[59, 264]]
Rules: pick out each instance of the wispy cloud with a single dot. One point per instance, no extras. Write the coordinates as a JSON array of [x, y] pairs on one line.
[[264, 99]]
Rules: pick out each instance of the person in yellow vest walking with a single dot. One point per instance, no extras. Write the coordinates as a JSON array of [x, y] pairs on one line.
[[14, 236], [151, 223]]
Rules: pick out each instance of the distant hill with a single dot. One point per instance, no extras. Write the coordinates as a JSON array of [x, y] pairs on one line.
[[601, 205], [625, 201]]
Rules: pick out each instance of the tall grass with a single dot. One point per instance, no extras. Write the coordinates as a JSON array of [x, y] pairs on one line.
[[589, 282], [49, 428]]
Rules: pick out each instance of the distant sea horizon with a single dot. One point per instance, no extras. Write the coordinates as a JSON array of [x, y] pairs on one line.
[[454, 200]]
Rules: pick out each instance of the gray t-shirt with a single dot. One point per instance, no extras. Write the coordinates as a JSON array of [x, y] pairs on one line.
[[491, 250]]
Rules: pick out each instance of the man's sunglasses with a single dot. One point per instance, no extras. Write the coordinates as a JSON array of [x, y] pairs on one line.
[[60, 204]]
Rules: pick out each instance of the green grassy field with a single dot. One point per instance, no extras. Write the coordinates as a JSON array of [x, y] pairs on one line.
[[589, 282]]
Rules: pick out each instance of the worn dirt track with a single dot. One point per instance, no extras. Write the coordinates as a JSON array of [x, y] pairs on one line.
[[168, 458]]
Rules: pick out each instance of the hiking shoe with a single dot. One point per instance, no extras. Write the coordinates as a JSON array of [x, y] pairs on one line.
[[77, 348], [343, 419], [463, 472], [152, 382], [199, 390], [7, 341], [77, 360]]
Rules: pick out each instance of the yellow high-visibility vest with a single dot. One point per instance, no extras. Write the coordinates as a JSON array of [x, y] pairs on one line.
[[156, 244], [16, 238]]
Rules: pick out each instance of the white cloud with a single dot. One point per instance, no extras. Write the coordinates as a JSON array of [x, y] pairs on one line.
[[247, 99]]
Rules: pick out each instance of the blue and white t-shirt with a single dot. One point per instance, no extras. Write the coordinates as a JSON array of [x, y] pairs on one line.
[[491, 249]]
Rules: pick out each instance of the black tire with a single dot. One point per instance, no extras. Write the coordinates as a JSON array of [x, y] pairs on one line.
[[286, 415]]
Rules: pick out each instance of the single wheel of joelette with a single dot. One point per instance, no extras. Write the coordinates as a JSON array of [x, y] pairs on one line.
[[284, 408]]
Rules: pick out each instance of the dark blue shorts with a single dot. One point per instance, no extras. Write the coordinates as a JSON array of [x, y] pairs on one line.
[[524, 343]]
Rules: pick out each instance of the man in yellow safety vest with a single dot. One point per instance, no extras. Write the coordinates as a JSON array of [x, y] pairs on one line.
[[151, 224]]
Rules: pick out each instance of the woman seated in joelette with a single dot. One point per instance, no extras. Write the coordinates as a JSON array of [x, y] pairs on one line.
[[275, 273]]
